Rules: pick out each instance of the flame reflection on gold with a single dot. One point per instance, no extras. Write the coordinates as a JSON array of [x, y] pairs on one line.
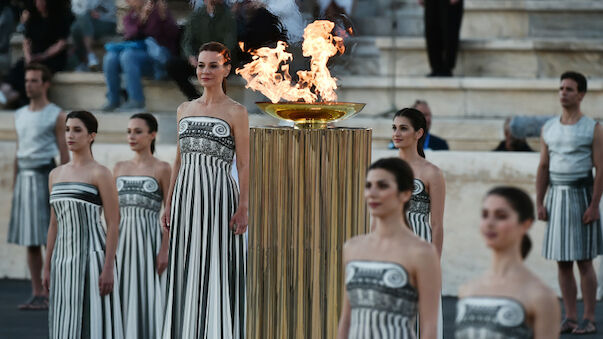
[[311, 115]]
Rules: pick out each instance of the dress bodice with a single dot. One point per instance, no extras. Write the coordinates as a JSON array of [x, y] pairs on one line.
[[139, 191], [77, 192], [420, 200], [380, 297], [490, 318], [208, 136]]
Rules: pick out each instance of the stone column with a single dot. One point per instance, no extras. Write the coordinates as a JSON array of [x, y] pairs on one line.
[[306, 199]]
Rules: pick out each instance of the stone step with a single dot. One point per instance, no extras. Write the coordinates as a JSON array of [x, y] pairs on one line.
[[490, 18], [448, 97], [470, 134], [519, 58]]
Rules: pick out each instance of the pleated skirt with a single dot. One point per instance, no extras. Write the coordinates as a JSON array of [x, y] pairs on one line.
[[207, 265], [141, 289], [30, 212], [566, 238]]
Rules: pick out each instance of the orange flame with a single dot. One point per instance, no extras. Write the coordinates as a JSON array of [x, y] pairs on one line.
[[269, 70]]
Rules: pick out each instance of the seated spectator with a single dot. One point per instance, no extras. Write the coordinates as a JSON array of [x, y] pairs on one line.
[[151, 36], [47, 26], [432, 141], [511, 143], [212, 21], [7, 27], [94, 19]]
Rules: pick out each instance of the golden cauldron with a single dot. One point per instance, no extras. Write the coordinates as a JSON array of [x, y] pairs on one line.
[[311, 115]]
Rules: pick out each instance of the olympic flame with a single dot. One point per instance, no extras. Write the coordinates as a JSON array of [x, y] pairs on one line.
[[268, 72]]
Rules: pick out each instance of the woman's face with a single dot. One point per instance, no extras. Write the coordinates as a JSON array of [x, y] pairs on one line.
[[77, 136], [139, 135], [500, 224], [211, 70], [41, 6], [382, 195], [403, 134]]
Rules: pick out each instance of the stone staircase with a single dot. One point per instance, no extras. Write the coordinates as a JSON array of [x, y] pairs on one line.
[[511, 55]]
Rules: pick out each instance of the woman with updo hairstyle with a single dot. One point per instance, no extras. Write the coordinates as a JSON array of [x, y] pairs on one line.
[[508, 300], [426, 212], [206, 213], [391, 274], [80, 265], [142, 252]]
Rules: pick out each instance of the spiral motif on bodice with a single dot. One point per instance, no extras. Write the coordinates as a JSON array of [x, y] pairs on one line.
[[350, 270], [120, 184], [418, 187], [510, 315], [395, 278], [183, 126], [150, 185], [221, 129]]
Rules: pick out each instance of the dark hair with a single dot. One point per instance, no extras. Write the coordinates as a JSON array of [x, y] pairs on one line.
[[521, 203], [214, 46], [46, 73], [578, 78], [87, 118], [417, 120], [151, 123], [403, 174]]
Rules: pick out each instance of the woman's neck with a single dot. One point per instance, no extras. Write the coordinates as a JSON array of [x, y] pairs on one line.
[[505, 261], [390, 225], [142, 156], [81, 157], [409, 154], [212, 95]]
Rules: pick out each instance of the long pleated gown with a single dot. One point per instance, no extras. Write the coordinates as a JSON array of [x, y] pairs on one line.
[[140, 287], [77, 310], [207, 266]]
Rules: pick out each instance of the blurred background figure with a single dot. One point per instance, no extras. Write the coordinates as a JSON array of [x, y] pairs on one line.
[[94, 19], [7, 27], [511, 143], [47, 25]]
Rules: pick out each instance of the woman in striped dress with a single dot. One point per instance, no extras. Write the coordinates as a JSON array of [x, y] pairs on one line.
[[80, 259], [391, 274], [206, 214], [426, 212], [507, 301], [142, 253]]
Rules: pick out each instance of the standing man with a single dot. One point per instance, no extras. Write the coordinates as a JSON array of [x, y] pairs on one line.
[[571, 145], [40, 130], [442, 29], [432, 142]]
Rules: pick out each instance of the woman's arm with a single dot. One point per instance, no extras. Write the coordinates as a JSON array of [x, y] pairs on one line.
[[51, 51], [344, 320], [546, 312], [165, 218], [429, 286], [241, 134], [437, 192], [162, 256], [50, 239], [27, 50], [103, 178]]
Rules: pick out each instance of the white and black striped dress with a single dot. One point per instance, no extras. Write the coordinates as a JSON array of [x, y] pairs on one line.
[[207, 266], [141, 290], [383, 304], [419, 210], [77, 310]]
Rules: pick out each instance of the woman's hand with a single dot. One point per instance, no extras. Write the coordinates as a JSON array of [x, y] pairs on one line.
[[238, 222], [105, 281], [542, 215], [165, 219], [46, 279], [162, 260]]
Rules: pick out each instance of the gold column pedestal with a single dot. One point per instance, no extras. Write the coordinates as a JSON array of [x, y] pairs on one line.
[[306, 199]]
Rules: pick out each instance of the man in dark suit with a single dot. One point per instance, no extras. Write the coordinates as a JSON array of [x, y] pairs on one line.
[[442, 28], [432, 142]]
